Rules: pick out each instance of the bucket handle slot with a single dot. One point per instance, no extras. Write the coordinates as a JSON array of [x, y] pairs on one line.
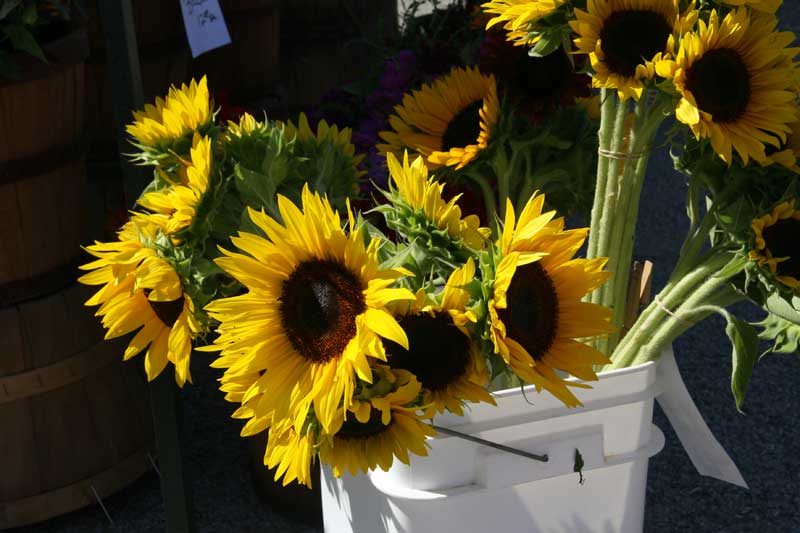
[[497, 469]]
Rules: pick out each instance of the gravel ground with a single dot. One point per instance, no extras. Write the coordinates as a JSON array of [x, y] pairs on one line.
[[763, 442]]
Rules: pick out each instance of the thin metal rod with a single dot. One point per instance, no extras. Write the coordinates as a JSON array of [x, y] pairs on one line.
[[153, 463], [102, 506], [496, 446]]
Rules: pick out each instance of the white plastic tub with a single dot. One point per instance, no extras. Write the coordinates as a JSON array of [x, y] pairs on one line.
[[466, 487]]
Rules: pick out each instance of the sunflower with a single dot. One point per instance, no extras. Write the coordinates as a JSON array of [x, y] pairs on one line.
[[182, 112], [788, 152], [736, 78], [179, 203], [328, 154], [767, 6], [536, 312], [247, 124], [141, 291], [449, 122], [326, 133], [775, 243], [520, 16], [424, 194], [382, 429], [290, 453], [441, 353], [313, 313], [624, 38], [535, 85]]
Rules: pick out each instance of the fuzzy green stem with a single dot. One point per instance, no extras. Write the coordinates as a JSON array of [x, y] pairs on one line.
[[674, 293], [624, 223], [615, 225], [489, 201], [524, 195], [686, 318], [608, 101], [653, 329], [699, 234], [693, 245], [602, 231]]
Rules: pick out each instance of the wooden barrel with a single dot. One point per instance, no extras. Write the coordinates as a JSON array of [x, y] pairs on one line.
[[163, 61], [327, 43], [42, 173], [71, 415], [246, 67], [75, 417]]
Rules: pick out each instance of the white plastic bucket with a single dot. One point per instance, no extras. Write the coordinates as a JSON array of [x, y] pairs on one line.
[[467, 487]]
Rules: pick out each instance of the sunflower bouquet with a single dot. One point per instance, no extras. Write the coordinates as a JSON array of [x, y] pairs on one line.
[[345, 331], [728, 77], [342, 332]]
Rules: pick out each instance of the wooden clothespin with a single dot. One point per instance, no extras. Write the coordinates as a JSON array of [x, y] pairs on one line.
[[639, 293]]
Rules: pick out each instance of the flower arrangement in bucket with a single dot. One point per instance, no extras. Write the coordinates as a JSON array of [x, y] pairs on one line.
[[348, 332], [343, 342]]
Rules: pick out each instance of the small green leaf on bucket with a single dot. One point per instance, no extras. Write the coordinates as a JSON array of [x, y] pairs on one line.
[[579, 466]]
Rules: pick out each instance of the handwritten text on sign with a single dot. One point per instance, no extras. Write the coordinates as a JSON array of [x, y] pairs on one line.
[[205, 25]]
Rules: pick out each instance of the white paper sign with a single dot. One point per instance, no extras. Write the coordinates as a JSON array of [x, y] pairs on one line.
[[705, 451], [205, 25]]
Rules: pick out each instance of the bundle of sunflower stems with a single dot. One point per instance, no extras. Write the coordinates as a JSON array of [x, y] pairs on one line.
[[345, 318]]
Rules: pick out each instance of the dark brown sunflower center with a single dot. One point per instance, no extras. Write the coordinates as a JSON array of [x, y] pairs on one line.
[[781, 239], [720, 84], [167, 312], [319, 304], [542, 78], [630, 37], [438, 352], [464, 128], [352, 429], [531, 315]]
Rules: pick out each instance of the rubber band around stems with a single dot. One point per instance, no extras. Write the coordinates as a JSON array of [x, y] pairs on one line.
[[623, 156], [671, 313]]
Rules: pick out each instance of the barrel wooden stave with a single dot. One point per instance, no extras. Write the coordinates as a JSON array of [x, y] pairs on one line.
[[41, 122], [88, 431]]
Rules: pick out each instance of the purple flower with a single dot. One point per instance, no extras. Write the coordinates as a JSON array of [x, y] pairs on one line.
[[399, 70]]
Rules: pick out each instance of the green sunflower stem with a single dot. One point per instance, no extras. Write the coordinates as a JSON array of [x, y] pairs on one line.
[[489, 200], [602, 222], [607, 110], [647, 118], [686, 318], [667, 315]]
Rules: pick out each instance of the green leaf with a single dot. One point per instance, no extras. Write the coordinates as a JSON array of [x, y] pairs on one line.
[[6, 6], [784, 334], [578, 466], [546, 45], [257, 189], [22, 39], [788, 310], [744, 339], [30, 14]]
